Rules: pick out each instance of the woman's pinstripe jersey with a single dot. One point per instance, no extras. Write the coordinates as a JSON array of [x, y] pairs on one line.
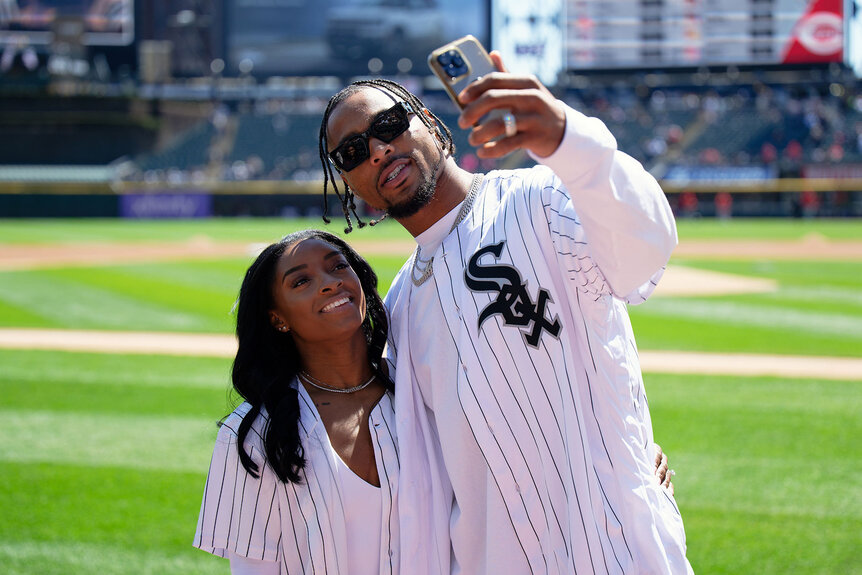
[[522, 351], [301, 526]]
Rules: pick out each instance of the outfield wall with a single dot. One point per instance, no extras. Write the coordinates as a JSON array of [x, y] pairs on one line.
[[773, 198]]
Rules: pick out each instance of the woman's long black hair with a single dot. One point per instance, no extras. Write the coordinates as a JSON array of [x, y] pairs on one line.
[[267, 360], [347, 198]]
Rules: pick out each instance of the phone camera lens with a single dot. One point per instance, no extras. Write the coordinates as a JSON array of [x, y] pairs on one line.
[[452, 63], [445, 59]]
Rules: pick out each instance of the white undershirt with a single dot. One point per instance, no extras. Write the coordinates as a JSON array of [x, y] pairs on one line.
[[362, 516], [430, 239]]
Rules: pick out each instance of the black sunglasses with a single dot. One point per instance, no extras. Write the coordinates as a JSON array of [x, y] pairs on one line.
[[386, 126]]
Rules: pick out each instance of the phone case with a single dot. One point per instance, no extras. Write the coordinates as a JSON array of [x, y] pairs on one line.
[[474, 56]]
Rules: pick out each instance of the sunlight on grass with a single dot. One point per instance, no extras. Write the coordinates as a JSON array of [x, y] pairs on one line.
[[21, 558], [104, 457], [123, 440]]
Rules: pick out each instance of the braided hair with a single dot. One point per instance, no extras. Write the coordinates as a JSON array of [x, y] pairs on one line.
[[347, 197]]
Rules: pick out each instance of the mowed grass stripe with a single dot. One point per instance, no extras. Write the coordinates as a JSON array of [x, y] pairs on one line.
[[116, 384], [112, 398], [769, 471], [216, 229], [63, 558], [768, 229], [822, 287], [206, 302], [222, 276], [151, 442], [12, 314], [760, 313], [711, 334], [740, 542], [34, 367], [790, 493], [270, 229], [84, 304], [791, 320], [815, 421], [144, 516], [822, 298], [789, 273], [172, 296], [123, 230]]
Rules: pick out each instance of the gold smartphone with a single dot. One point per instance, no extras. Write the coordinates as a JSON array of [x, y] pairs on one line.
[[460, 62]]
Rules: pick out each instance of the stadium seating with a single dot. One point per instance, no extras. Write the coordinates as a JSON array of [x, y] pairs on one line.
[[688, 126], [189, 150]]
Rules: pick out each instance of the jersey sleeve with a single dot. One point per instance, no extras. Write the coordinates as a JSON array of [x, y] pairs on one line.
[[608, 211], [239, 513], [569, 239]]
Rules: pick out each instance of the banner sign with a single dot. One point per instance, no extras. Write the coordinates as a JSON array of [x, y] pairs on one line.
[[833, 172], [153, 206], [724, 174]]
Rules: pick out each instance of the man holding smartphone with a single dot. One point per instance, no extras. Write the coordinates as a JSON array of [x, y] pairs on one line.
[[524, 433]]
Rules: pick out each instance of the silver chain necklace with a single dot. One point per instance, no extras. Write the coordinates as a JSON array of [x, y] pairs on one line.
[[427, 269], [304, 376]]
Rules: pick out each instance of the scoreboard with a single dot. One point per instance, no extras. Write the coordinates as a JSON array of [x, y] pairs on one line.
[[689, 33]]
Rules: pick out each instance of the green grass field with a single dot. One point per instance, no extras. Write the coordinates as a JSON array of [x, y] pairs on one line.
[[104, 456]]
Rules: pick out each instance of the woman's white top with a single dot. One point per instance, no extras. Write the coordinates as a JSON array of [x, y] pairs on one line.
[[301, 527], [362, 515]]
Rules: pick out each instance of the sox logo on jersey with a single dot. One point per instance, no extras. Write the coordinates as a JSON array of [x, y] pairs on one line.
[[513, 300]]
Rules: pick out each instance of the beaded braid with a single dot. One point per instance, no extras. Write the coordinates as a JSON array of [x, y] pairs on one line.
[[348, 198]]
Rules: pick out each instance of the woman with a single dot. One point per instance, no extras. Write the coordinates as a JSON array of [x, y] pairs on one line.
[[304, 472]]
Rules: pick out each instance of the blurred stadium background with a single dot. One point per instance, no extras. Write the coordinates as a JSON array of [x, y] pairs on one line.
[[147, 148], [193, 108]]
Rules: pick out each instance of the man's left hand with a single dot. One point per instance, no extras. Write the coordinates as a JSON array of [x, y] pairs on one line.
[[540, 119], [662, 471]]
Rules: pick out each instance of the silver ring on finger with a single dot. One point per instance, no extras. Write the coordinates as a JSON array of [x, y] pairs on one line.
[[510, 124]]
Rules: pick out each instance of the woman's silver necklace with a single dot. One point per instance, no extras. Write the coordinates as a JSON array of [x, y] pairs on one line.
[[425, 268], [304, 376]]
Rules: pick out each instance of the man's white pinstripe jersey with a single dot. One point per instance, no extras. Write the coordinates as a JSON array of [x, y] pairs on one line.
[[302, 526], [519, 387]]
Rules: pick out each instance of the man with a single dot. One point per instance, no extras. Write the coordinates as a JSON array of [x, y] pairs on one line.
[[523, 426]]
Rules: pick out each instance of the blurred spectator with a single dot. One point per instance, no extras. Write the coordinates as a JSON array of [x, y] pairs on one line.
[[688, 204], [768, 153], [723, 205], [809, 203]]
